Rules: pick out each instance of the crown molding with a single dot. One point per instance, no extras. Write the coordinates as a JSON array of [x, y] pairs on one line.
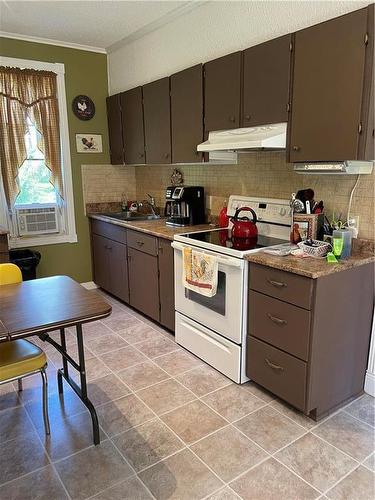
[[49, 41], [158, 23], [186, 7]]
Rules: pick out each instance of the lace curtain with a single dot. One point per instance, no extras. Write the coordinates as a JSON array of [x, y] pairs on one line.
[[32, 93]]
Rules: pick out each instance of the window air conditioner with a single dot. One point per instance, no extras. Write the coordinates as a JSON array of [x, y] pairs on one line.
[[37, 219]]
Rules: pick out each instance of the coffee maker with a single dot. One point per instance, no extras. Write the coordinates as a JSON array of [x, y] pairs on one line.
[[184, 205]]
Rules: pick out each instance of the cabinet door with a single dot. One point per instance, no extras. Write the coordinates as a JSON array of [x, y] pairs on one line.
[[144, 283], [266, 82], [367, 139], [132, 126], [327, 89], [100, 261], [156, 106], [166, 283], [118, 270], [222, 83], [187, 114], [115, 129]]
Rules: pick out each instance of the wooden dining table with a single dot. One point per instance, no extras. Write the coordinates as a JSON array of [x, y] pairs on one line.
[[38, 307]]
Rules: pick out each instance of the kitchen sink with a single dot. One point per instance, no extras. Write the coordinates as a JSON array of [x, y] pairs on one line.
[[128, 216]]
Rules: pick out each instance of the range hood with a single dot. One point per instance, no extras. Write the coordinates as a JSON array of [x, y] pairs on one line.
[[348, 167], [251, 138]]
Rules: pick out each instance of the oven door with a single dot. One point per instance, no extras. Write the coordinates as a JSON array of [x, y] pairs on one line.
[[222, 313]]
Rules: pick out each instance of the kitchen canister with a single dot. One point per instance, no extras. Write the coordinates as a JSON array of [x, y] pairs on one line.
[[346, 236]]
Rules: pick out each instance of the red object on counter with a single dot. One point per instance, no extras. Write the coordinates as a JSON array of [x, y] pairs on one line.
[[223, 217], [243, 227], [244, 243]]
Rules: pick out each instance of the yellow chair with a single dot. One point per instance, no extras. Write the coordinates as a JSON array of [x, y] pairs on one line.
[[21, 358]]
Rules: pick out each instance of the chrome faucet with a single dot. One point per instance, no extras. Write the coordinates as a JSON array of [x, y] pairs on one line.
[[150, 203], [152, 200]]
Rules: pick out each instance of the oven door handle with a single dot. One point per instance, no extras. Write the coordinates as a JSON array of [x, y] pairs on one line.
[[226, 261]]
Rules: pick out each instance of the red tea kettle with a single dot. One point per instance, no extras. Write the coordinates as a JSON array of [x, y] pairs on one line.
[[243, 227]]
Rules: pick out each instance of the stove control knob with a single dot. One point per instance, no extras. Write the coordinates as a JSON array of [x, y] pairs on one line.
[[282, 211]]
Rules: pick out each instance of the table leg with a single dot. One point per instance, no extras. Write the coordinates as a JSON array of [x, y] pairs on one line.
[[89, 405], [82, 391], [63, 373], [65, 363]]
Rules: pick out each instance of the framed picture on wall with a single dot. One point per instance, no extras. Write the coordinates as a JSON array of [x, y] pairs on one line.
[[89, 143]]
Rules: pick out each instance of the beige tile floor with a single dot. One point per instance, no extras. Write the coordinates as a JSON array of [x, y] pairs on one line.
[[174, 428]]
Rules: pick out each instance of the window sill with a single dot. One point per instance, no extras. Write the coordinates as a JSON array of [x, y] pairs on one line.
[[37, 241]]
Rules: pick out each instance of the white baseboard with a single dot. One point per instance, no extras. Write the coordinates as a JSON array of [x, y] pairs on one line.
[[90, 285], [370, 384]]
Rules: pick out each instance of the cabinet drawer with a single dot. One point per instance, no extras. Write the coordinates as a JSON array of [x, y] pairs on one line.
[[108, 230], [283, 325], [144, 242], [214, 349], [281, 285], [277, 371]]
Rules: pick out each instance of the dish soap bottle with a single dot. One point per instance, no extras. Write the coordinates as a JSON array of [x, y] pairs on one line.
[[223, 217]]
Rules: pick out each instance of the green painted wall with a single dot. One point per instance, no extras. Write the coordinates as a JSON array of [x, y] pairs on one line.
[[85, 73]]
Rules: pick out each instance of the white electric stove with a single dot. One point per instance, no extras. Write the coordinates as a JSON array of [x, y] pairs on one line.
[[214, 328]]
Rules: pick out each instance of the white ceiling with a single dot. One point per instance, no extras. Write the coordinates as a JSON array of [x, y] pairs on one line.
[[97, 24]]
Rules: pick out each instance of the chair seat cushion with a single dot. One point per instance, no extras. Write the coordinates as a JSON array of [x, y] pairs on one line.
[[19, 357]]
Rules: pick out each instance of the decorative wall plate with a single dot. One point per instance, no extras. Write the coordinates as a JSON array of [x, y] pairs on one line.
[[83, 107]]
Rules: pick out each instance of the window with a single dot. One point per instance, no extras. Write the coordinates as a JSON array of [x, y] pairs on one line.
[[34, 175], [42, 182]]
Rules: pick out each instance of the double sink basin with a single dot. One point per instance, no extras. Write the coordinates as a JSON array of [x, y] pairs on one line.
[[131, 216]]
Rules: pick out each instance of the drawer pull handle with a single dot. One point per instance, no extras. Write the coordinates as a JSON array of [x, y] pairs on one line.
[[140, 243], [278, 284], [273, 366], [278, 321]]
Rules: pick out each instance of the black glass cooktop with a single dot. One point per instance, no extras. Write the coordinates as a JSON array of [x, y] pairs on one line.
[[222, 237]]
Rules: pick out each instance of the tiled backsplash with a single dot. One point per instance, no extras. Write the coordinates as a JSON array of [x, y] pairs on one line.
[[257, 174], [107, 183]]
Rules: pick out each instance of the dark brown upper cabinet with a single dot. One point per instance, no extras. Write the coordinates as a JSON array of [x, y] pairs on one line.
[[367, 139], [222, 92], [187, 114], [328, 90], [156, 108], [116, 148], [266, 78], [132, 126]]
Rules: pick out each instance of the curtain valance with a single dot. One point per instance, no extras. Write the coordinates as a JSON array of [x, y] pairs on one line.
[[28, 93]]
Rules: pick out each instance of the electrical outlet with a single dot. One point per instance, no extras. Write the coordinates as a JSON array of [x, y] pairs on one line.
[[353, 225]]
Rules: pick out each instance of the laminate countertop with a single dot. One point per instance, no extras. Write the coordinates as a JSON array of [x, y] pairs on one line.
[[363, 253], [154, 227]]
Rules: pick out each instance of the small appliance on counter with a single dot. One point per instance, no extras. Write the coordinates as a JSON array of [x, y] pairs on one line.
[[184, 205]]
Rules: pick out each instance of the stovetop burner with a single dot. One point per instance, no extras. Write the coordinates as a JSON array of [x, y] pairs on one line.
[[222, 237]]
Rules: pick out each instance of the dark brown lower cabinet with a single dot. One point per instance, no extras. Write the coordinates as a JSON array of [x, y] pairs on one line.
[[118, 270], [4, 251], [137, 268], [308, 339], [110, 266], [166, 284], [143, 282], [100, 261]]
